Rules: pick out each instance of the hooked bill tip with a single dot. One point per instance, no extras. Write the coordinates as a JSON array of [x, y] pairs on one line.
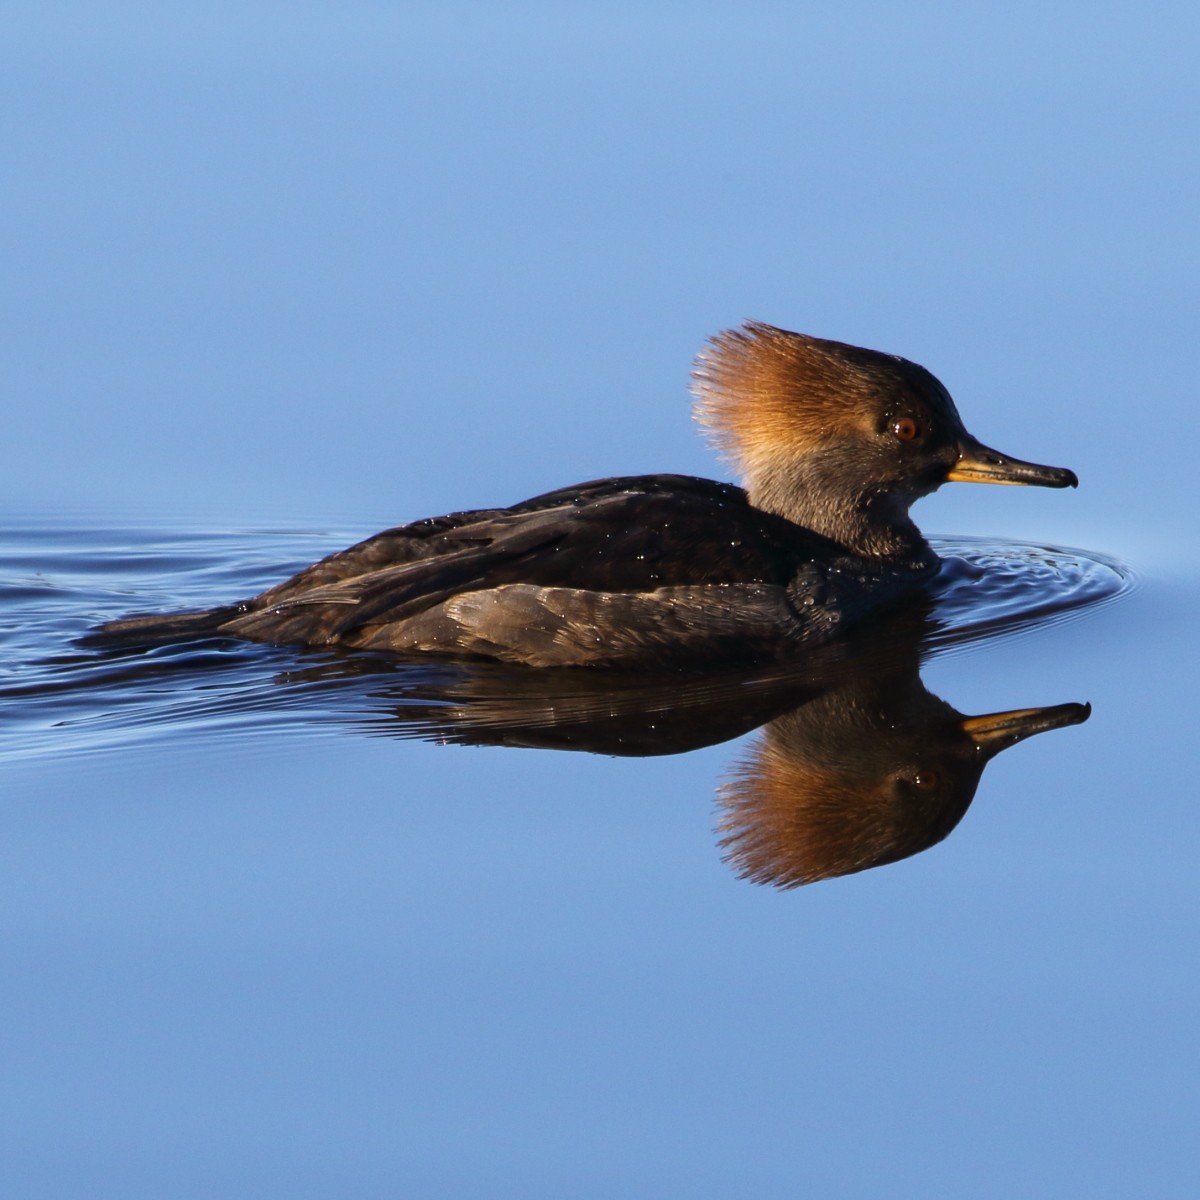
[[994, 732], [981, 464]]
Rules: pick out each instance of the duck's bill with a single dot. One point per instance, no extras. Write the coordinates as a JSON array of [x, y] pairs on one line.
[[979, 464], [997, 731]]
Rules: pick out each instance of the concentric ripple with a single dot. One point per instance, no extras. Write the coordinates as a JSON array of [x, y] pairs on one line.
[[987, 588]]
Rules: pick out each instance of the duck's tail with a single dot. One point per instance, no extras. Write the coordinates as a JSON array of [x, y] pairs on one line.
[[156, 628]]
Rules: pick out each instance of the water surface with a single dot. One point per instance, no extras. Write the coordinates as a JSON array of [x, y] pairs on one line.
[[61, 698]]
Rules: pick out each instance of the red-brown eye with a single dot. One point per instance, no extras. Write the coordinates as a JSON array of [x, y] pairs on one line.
[[925, 781], [906, 429]]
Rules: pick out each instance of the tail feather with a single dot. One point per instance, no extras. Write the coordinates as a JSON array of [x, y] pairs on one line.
[[154, 628]]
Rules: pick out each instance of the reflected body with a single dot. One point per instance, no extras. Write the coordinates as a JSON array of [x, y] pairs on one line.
[[835, 444], [856, 764]]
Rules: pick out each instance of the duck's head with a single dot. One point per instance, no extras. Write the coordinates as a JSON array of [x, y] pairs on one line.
[[842, 440]]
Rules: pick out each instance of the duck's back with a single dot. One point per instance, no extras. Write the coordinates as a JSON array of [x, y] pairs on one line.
[[623, 570], [633, 571]]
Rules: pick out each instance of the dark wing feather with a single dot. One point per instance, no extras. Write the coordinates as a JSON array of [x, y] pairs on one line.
[[434, 537], [625, 535], [618, 535]]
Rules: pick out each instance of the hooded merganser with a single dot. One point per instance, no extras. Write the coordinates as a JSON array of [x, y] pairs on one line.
[[834, 442]]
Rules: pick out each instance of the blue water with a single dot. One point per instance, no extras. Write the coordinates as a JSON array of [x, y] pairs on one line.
[[278, 276]]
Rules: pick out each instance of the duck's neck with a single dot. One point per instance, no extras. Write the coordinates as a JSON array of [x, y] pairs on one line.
[[870, 525]]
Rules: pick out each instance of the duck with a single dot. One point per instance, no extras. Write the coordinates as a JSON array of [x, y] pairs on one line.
[[834, 444]]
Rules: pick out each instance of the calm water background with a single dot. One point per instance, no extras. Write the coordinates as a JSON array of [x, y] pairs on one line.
[[314, 270]]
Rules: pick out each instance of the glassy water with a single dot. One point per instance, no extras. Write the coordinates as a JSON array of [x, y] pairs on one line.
[[563, 928], [286, 923]]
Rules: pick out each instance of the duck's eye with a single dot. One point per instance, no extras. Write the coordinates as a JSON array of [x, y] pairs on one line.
[[906, 429], [925, 781]]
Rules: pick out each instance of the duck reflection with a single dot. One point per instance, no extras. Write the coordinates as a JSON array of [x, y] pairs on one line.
[[870, 772], [856, 764]]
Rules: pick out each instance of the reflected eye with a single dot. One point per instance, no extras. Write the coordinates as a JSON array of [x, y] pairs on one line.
[[925, 781], [906, 429]]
